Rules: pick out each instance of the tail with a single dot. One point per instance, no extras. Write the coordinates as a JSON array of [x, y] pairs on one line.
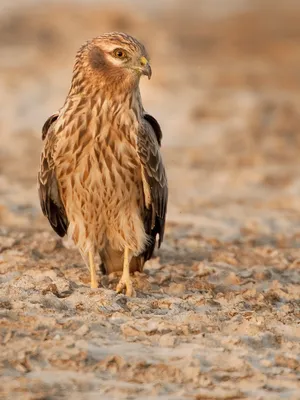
[[112, 261]]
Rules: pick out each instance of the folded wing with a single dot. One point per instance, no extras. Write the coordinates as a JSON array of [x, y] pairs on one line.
[[50, 200], [154, 181]]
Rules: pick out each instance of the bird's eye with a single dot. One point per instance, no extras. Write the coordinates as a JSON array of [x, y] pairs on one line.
[[119, 53]]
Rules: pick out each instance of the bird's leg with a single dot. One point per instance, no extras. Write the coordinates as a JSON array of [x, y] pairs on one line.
[[125, 281], [94, 283]]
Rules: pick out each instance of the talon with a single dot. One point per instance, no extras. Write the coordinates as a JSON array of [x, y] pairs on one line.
[[125, 281], [120, 287], [130, 292]]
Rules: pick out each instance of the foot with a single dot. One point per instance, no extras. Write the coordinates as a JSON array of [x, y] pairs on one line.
[[126, 284]]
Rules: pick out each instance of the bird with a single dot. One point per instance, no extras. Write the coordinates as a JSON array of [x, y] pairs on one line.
[[102, 180]]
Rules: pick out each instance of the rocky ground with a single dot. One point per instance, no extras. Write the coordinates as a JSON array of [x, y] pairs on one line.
[[217, 310]]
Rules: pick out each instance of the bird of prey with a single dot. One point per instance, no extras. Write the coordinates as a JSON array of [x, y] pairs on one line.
[[102, 180]]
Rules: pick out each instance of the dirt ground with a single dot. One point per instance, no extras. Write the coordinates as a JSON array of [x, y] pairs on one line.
[[217, 310]]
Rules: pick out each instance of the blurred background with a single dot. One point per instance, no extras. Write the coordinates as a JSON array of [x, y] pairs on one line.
[[225, 88]]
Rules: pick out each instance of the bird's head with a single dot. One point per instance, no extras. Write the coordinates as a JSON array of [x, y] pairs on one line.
[[113, 59]]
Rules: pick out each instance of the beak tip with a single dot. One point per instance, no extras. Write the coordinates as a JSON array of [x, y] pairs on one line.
[[149, 72]]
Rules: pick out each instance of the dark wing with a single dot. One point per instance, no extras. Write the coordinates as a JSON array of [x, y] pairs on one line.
[[50, 200], [48, 124], [155, 125], [154, 180]]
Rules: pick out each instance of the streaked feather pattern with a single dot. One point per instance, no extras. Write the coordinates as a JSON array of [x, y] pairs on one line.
[[102, 180]]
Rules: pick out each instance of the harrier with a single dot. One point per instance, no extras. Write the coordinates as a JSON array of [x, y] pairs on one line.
[[102, 180]]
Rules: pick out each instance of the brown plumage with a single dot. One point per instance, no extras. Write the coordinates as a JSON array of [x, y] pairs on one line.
[[102, 179]]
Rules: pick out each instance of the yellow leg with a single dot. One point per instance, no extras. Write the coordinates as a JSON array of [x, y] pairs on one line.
[[125, 281], [94, 283]]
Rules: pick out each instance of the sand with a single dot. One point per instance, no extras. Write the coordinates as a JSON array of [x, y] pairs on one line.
[[217, 309]]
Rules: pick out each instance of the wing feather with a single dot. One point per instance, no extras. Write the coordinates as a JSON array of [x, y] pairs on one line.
[[154, 175], [50, 199]]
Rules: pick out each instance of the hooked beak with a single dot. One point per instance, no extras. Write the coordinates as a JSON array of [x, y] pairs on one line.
[[145, 67]]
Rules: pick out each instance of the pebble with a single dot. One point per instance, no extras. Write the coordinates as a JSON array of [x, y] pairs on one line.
[[83, 330], [266, 363], [167, 340]]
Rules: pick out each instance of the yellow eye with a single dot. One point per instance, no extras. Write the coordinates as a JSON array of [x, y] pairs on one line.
[[119, 53]]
